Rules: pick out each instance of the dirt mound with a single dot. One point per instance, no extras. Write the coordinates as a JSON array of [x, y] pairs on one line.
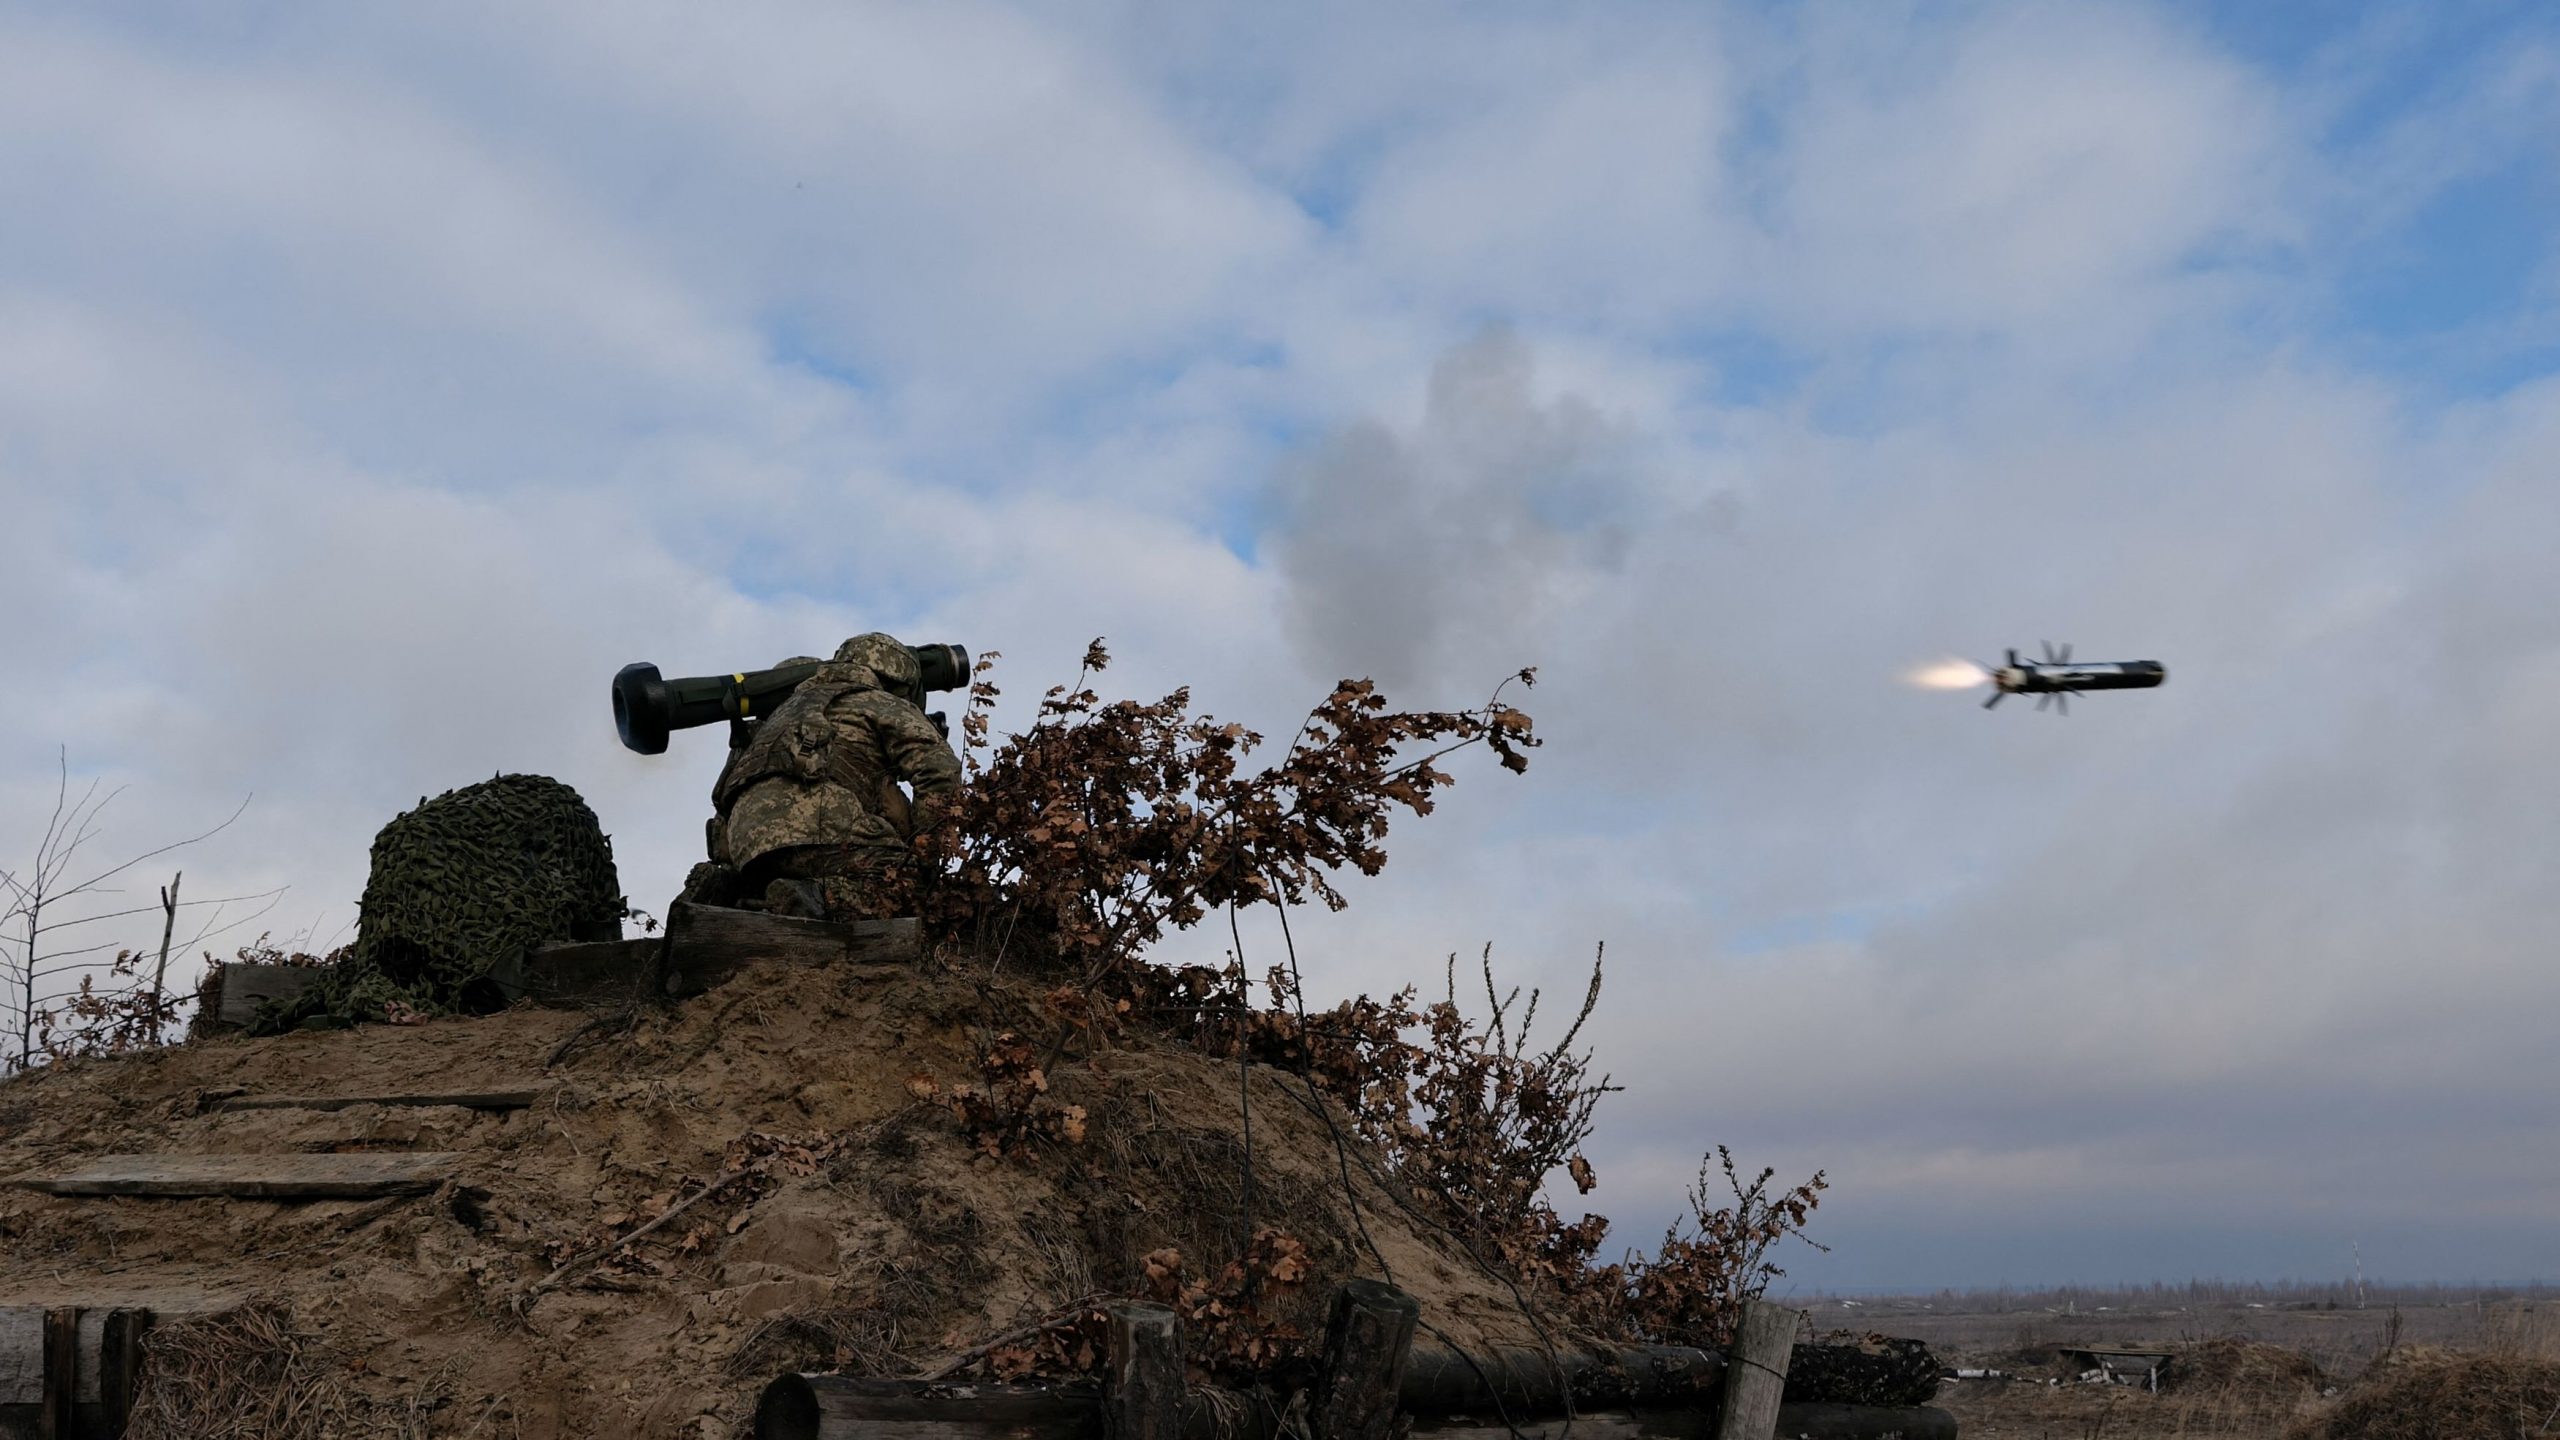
[[2424, 1393], [870, 1231], [2230, 1365]]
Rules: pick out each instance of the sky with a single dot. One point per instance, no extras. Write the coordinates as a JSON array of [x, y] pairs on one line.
[[376, 380]]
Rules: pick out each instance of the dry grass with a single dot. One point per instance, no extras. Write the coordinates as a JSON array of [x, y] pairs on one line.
[[2425, 1393], [2112, 1412], [2448, 1372], [2519, 1332], [245, 1374], [2231, 1365]]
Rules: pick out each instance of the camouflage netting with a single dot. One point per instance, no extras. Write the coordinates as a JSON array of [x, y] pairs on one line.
[[1849, 1369], [464, 883]]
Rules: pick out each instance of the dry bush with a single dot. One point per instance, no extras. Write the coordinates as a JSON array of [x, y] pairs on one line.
[[129, 1013], [1468, 1113], [1078, 844], [123, 1015], [42, 900], [1690, 1290], [1089, 835]]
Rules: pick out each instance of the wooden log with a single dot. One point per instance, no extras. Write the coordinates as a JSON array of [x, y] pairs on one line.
[[1669, 1424], [244, 987], [1437, 1383], [265, 1177], [1142, 1382], [707, 944], [1794, 1422], [1525, 1383], [581, 973], [1366, 1344], [120, 1366], [1758, 1380], [59, 1419], [462, 1099], [835, 1407], [1864, 1422], [838, 1407]]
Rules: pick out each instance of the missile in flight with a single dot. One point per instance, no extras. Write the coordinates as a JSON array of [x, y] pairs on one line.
[[2056, 678]]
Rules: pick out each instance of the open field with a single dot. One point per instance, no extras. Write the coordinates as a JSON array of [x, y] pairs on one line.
[[2247, 1367]]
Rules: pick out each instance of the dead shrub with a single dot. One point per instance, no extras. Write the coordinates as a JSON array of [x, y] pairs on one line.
[[1690, 1290], [1076, 845], [1089, 835]]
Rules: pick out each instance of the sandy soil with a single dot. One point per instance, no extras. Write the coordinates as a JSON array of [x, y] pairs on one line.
[[904, 1247]]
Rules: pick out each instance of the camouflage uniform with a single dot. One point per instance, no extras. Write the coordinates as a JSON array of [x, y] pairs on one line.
[[809, 816]]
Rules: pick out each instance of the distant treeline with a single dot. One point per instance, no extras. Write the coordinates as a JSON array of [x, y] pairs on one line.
[[2284, 1294]]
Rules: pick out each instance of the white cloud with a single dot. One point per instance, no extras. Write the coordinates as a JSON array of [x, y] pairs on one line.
[[376, 385], [2024, 168]]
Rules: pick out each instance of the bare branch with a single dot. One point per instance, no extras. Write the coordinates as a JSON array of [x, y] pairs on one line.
[[156, 909], [163, 850]]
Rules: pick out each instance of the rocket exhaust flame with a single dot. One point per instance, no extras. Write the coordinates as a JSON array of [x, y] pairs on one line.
[[1948, 675]]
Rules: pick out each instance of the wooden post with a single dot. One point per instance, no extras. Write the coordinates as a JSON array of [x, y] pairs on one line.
[[1366, 1344], [1757, 1379], [168, 927], [1143, 1387], [56, 1420], [120, 1366]]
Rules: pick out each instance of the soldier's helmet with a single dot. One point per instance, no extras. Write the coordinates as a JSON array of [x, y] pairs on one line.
[[892, 665]]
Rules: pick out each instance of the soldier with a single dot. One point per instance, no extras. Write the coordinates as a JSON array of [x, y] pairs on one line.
[[808, 811]]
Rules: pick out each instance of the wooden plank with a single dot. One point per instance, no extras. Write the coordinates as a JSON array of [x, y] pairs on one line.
[[1142, 1379], [265, 1177], [109, 1355], [58, 1420], [27, 1349], [463, 1099], [91, 1347], [120, 1365], [1758, 1378], [707, 944], [245, 986], [21, 1355], [1367, 1342], [581, 973]]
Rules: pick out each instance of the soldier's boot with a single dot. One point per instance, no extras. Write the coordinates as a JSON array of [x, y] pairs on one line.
[[710, 883], [799, 899]]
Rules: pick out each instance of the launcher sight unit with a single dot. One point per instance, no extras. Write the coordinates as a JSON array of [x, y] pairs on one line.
[[647, 708]]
